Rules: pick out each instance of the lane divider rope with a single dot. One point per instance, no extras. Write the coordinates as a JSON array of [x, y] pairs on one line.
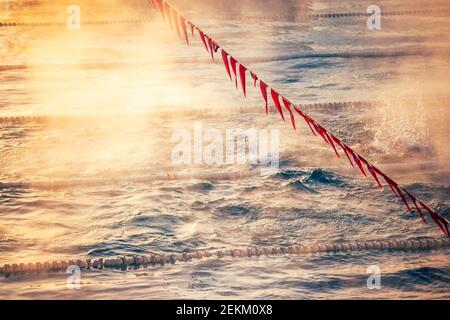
[[88, 23], [282, 17], [336, 105], [140, 178], [385, 53], [181, 112], [97, 182], [142, 261]]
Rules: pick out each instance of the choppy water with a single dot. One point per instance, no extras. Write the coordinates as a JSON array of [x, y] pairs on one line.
[[120, 75]]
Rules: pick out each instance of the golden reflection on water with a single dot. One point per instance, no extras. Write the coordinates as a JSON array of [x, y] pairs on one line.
[[69, 87]]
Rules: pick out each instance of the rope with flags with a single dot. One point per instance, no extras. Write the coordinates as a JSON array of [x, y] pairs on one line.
[[238, 73]]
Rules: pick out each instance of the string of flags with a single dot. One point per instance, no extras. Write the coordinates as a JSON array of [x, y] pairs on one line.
[[237, 70]]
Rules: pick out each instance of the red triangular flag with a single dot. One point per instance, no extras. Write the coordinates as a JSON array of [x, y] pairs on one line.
[[304, 116], [374, 174], [242, 71], [161, 8], [414, 201], [263, 88], [202, 36], [153, 3], [320, 131], [225, 62], [332, 144], [255, 77], [309, 121], [358, 162], [391, 184], [441, 222], [175, 22], [275, 98], [348, 156], [326, 137], [192, 28], [169, 12], [183, 27], [233, 63], [343, 147], [287, 104], [211, 46], [397, 191]]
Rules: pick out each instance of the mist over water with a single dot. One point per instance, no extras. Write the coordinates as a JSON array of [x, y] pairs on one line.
[[116, 78]]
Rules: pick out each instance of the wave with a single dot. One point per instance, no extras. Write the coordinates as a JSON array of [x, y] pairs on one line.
[[320, 176], [236, 211], [299, 186], [203, 187]]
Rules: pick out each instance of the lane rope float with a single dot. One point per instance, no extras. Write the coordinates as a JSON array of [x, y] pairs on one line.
[[98, 182], [142, 261], [385, 53], [140, 178], [181, 112]]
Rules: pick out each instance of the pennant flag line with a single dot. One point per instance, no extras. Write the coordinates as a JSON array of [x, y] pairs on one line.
[[212, 46]]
